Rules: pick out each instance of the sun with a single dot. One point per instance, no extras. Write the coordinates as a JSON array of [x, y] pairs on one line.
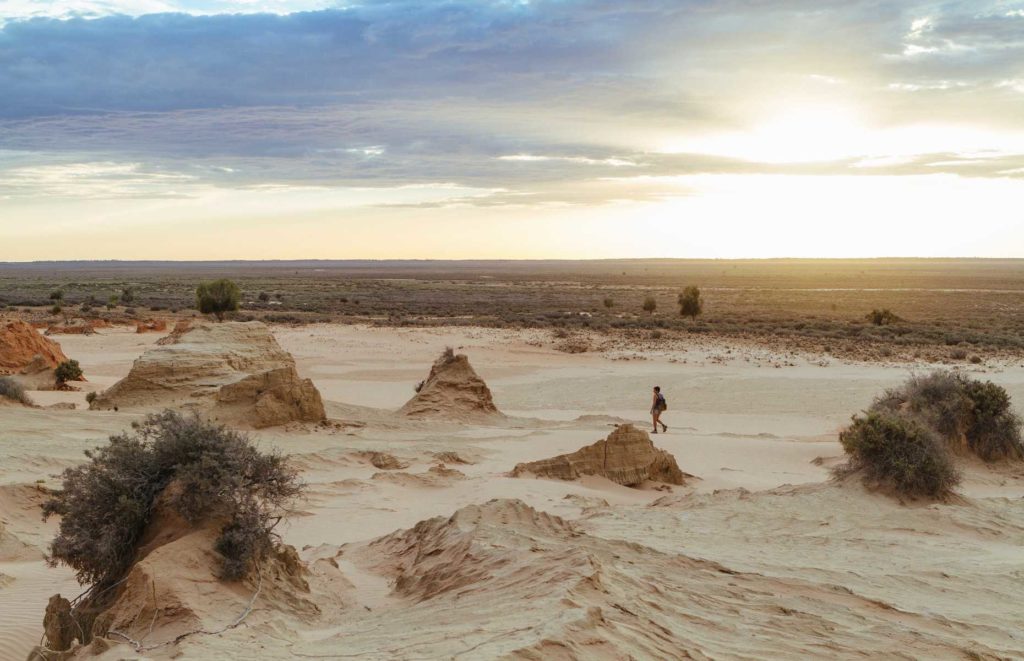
[[797, 134]]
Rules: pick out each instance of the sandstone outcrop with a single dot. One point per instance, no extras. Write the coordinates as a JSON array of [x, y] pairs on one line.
[[151, 326], [180, 328], [454, 391], [21, 343], [627, 456], [234, 372]]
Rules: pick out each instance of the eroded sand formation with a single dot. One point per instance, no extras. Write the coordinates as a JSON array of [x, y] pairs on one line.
[[627, 456], [235, 371], [452, 391], [23, 348]]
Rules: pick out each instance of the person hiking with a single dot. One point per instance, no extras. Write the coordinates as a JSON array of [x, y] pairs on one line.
[[658, 406]]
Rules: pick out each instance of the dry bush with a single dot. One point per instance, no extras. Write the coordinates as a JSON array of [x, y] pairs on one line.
[[13, 391], [69, 370], [897, 451], [968, 414], [106, 503]]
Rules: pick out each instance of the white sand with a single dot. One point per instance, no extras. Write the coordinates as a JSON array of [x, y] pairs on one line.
[[852, 572]]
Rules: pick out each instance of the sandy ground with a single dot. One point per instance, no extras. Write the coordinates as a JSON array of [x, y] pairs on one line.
[[760, 556]]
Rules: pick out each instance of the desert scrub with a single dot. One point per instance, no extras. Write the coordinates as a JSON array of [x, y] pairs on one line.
[[69, 370], [218, 297], [971, 416], [896, 451], [217, 475], [13, 391]]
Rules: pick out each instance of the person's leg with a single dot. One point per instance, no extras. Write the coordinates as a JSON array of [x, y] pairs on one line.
[[655, 414], [664, 427]]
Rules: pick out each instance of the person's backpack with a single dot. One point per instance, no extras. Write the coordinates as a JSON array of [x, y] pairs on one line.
[[662, 403]]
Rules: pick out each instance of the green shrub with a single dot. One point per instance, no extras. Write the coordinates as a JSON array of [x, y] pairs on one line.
[[13, 391], [897, 451], [69, 370], [106, 503], [217, 297], [690, 303], [264, 297], [127, 295], [91, 397], [57, 295], [650, 305]]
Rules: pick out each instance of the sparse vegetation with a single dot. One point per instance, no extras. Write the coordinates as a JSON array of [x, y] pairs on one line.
[[69, 370], [897, 451], [13, 391], [128, 295], [969, 415], [218, 297], [202, 471], [690, 303], [609, 302], [57, 295], [909, 434], [650, 305], [264, 297], [90, 397], [883, 317]]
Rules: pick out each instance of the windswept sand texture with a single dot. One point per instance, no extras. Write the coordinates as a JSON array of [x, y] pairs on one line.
[[418, 543]]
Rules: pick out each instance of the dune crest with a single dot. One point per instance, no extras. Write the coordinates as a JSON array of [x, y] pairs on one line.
[[627, 457], [235, 371], [452, 390]]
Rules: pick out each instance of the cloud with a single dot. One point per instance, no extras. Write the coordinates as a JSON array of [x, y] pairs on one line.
[[540, 102]]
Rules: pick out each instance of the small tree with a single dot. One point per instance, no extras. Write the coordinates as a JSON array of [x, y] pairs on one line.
[[69, 370], [609, 302], [650, 305], [127, 295], [690, 303], [57, 295], [264, 297], [217, 297]]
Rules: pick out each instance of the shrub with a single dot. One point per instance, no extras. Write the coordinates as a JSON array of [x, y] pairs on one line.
[[968, 414], [609, 302], [69, 370], [264, 297], [218, 474], [690, 303], [897, 451], [57, 295], [91, 397], [12, 390], [128, 295], [56, 309], [217, 297], [650, 305], [882, 317]]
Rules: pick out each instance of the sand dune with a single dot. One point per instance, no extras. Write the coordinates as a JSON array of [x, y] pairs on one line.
[[417, 543]]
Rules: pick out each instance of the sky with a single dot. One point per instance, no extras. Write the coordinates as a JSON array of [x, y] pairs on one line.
[[294, 129]]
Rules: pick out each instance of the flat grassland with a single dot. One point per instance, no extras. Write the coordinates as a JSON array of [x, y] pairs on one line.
[[948, 310]]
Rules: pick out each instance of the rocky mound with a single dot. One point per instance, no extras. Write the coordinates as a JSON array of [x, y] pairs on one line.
[[453, 390], [180, 328], [21, 343], [235, 371], [151, 326], [627, 456]]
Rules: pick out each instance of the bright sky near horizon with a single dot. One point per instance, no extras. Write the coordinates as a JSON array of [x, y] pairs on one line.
[[261, 129]]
